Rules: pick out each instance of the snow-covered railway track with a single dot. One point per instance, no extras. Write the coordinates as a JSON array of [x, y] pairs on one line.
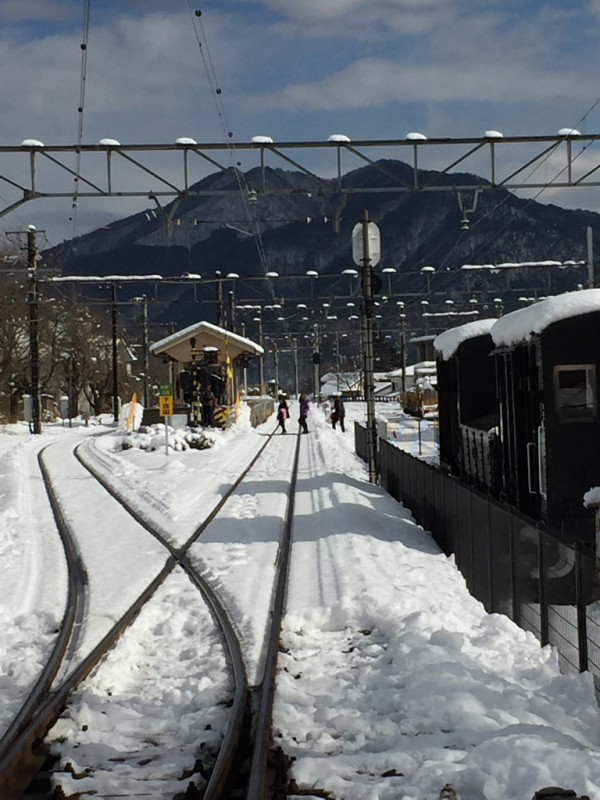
[[240, 769], [17, 745], [216, 771]]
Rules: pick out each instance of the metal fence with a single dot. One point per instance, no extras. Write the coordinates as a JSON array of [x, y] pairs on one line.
[[512, 564]]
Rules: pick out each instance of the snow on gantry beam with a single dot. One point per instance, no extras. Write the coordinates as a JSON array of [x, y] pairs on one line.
[[112, 169], [524, 265]]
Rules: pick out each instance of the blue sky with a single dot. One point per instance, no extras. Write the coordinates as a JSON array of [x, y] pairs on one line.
[[299, 70]]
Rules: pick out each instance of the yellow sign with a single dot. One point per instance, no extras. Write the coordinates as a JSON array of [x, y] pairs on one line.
[[131, 413], [165, 406]]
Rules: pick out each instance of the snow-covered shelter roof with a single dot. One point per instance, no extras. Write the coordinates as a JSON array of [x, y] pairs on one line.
[[448, 342], [178, 345], [522, 325]]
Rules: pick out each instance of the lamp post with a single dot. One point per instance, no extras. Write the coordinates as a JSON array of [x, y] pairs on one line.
[[366, 252]]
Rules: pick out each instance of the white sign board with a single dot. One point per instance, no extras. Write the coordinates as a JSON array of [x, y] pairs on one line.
[[374, 244]]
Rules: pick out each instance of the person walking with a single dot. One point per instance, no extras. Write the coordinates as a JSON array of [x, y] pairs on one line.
[[304, 409], [338, 413], [283, 413], [209, 401]]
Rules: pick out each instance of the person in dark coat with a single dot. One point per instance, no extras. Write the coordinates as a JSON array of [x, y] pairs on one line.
[[304, 409], [209, 401], [338, 413], [283, 413]]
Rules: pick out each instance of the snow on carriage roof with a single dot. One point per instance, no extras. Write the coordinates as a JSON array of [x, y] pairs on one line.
[[447, 343], [521, 325]]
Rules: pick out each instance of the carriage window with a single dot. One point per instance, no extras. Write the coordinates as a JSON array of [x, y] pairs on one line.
[[575, 387]]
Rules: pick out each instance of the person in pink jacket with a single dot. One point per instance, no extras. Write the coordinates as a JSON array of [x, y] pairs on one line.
[[283, 413], [304, 409]]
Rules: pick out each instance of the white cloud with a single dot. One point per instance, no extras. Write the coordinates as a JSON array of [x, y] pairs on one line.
[[373, 82], [38, 10]]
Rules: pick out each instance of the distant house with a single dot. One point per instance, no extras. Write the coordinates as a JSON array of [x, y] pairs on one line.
[[421, 369], [350, 384], [425, 348]]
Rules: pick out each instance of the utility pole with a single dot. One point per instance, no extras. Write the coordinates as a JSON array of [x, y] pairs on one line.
[[219, 302], [295, 346], [316, 362], [33, 302], [261, 360], [145, 353], [245, 368], [195, 384], [337, 358], [590, 258], [115, 362], [276, 355], [403, 326], [232, 311]]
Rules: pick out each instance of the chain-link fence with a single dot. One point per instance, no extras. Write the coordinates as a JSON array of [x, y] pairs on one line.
[[512, 564]]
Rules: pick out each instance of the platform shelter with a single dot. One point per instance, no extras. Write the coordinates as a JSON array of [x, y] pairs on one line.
[[204, 355]]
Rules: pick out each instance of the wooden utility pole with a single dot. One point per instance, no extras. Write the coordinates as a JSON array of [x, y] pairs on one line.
[[34, 352], [115, 357], [590, 258]]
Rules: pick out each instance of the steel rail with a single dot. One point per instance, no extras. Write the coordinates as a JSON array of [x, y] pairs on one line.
[[223, 766], [75, 601], [263, 735]]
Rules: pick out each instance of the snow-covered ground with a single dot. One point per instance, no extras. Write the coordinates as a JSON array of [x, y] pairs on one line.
[[394, 681]]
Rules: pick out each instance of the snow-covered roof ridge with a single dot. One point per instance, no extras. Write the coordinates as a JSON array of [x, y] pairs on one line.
[[521, 325], [185, 333], [447, 343]]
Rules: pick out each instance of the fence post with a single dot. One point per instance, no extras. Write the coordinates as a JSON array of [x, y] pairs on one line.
[[490, 553], [516, 603], [581, 615], [542, 590]]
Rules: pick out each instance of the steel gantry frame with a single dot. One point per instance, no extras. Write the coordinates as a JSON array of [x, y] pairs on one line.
[[20, 166]]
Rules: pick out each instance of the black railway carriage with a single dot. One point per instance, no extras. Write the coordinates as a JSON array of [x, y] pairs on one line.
[[467, 407], [548, 360], [518, 408]]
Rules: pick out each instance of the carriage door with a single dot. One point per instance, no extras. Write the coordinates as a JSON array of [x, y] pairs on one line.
[[533, 491], [540, 464]]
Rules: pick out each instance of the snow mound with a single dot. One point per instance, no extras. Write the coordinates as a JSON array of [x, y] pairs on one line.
[[152, 438]]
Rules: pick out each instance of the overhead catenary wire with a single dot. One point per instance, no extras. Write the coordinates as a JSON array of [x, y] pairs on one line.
[[539, 164], [244, 188], [81, 107]]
